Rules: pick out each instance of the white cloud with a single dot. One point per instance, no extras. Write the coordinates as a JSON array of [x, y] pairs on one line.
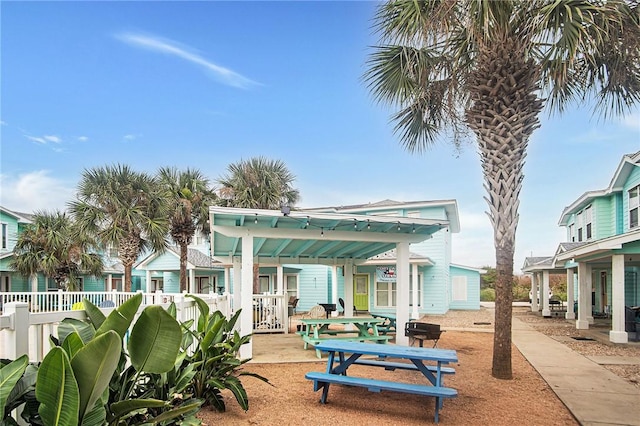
[[44, 140], [169, 47], [83, 138], [33, 191], [3, 123], [130, 137]]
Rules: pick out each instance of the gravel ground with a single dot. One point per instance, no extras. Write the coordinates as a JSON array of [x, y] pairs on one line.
[[557, 328]]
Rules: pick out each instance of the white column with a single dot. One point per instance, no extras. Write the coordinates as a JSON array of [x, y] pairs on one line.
[[246, 317], [237, 283], [34, 283], [226, 279], [546, 312], [570, 301], [584, 296], [279, 279], [348, 288], [415, 279], [334, 289], [402, 291], [148, 278], [534, 292], [192, 281], [617, 333]]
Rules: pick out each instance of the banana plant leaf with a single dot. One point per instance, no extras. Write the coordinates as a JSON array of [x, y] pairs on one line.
[[93, 367], [155, 341], [72, 325], [57, 390], [121, 408], [177, 412], [72, 344], [121, 318], [94, 313], [10, 374]]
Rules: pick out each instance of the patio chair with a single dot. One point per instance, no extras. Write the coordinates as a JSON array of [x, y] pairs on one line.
[[317, 312], [341, 301], [293, 302]]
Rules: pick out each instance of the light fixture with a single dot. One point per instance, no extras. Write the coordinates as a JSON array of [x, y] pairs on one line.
[[413, 229], [368, 224], [308, 222], [398, 226], [256, 219], [322, 232], [355, 224]]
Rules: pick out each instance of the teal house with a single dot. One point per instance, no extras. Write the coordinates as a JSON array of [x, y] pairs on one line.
[[601, 255]]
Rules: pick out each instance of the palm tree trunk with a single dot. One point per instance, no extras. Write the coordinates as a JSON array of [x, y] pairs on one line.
[[503, 116], [183, 266]]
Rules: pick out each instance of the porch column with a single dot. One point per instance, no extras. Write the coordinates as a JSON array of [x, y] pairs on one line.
[[414, 299], [34, 283], [570, 284], [546, 312], [348, 288], [109, 282], [246, 317], [584, 296], [192, 281], [334, 289], [402, 291], [534, 292], [279, 279], [226, 279], [617, 333], [237, 283], [148, 278]]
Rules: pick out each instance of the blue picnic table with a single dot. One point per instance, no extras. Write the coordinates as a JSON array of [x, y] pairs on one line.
[[338, 364]]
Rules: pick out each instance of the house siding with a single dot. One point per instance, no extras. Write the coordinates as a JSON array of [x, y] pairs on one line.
[[632, 182], [472, 301], [314, 284], [603, 217]]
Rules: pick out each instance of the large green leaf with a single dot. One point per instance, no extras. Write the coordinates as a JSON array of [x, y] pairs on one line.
[[10, 375], [204, 312], [57, 390], [120, 319], [155, 341], [94, 313], [191, 407], [93, 367], [119, 409], [97, 416], [72, 325], [72, 344]]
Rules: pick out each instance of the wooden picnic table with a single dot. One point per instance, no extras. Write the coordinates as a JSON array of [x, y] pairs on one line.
[[433, 373], [316, 330], [388, 325]]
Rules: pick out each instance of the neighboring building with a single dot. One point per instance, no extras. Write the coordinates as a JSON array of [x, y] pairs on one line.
[[601, 256]]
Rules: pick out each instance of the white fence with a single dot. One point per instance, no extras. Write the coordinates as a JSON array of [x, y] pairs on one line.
[[270, 313], [25, 331]]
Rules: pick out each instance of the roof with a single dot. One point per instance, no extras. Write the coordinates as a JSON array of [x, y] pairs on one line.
[[21, 217], [468, 268], [450, 206], [312, 237], [598, 248], [620, 176], [547, 263], [390, 256], [195, 258]]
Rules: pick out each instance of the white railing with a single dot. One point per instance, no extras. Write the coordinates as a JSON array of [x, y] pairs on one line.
[[270, 314], [23, 331]]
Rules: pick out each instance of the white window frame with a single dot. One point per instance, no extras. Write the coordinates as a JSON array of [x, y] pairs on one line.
[[634, 206], [4, 230], [572, 233], [391, 294], [289, 292], [459, 288], [269, 284], [420, 286], [588, 222]]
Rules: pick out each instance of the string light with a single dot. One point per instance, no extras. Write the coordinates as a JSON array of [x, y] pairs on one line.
[[368, 224], [256, 219], [308, 222], [322, 232], [413, 229], [355, 224], [398, 226]]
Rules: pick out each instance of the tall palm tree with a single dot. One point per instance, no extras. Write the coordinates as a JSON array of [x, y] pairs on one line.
[[188, 195], [258, 183], [492, 66], [124, 209], [55, 246]]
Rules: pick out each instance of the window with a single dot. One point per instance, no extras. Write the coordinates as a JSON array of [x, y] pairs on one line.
[[292, 285], [4, 236], [264, 284], [580, 224], [419, 290], [385, 294], [572, 233], [459, 288], [634, 197], [587, 221]]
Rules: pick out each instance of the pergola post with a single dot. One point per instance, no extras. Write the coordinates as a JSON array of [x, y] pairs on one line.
[[415, 281], [348, 288], [246, 317], [334, 288], [546, 312], [402, 292], [534, 292]]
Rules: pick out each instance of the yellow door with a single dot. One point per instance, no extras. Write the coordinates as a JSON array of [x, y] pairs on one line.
[[361, 292]]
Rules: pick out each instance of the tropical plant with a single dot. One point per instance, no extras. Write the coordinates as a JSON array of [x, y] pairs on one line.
[[17, 388], [123, 209], [491, 66], [213, 346], [54, 245], [188, 196], [258, 183]]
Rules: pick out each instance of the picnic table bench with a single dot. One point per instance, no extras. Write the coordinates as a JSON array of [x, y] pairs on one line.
[[316, 330], [337, 374], [388, 325]]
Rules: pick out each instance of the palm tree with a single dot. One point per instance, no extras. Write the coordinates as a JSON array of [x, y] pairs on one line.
[[55, 246], [258, 183], [492, 66], [188, 196], [124, 209]]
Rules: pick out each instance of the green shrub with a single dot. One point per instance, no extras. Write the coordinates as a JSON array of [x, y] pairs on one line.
[[487, 295]]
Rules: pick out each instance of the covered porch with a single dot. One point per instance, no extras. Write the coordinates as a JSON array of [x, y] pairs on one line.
[[247, 237]]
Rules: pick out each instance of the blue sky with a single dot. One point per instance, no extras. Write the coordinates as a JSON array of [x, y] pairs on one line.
[[205, 84]]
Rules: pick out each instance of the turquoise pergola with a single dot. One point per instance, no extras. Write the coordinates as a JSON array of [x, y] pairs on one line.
[[242, 237]]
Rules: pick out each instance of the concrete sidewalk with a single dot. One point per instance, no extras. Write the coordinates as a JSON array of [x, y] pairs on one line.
[[593, 394]]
